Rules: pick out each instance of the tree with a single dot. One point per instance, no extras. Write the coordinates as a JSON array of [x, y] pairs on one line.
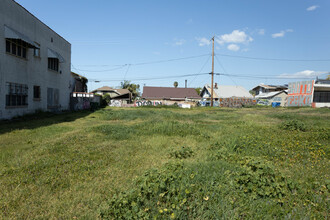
[[133, 88], [198, 90], [252, 92], [175, 84]]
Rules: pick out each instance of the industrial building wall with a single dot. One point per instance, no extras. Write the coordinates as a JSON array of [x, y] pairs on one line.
[[32, 71]]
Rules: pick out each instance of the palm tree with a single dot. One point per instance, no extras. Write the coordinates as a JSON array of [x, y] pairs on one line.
[[175, 84]]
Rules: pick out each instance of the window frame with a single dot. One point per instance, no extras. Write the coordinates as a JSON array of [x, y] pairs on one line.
[[36, 93], [17, 48], [16, 95], [53, 64]]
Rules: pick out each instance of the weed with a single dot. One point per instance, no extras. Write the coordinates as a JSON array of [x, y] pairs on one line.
[[294, 125], [182, 153]]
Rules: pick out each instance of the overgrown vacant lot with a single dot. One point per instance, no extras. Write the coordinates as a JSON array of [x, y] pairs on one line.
[[166, 163]]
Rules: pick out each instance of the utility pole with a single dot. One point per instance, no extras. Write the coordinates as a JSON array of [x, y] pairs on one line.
[[212, 71]]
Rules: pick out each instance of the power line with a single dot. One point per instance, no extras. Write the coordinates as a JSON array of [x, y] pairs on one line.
[[224, 70], [143, 63], [275, 59], [126, 71], [155, 78], [264, 77], [99, 71], [200, 70]]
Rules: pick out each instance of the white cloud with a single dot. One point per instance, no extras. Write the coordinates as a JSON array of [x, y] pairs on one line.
[[179, 42], [203, 41], [233, 47], [281, 33], [312, 8], [261, 31], [302, 74], [236, 36]]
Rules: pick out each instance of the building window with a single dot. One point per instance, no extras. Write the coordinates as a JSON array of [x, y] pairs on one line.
[[53, 64], [17, 95], [36, 93], [16, 47], [36, 51], [322, 97]]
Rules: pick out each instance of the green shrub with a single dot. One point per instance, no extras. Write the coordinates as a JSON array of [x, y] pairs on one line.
[[259, 179], [105, 100], [159, 194], [294, 125], [182, 153]]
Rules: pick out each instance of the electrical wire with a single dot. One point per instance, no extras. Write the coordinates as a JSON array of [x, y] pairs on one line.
[[99, 71], [155, 78], [200, 70], [274, 59], [143, 63], [224, 70]]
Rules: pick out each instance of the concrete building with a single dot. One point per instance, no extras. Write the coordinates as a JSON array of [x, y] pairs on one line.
[[35, 64]]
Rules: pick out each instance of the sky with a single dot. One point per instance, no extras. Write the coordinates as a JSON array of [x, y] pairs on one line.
[[154, 43]]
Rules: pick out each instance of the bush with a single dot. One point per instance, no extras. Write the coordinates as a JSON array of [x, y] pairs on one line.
[[294, 125], [260, 179], [105, 100], [182, 153], [161, 194]]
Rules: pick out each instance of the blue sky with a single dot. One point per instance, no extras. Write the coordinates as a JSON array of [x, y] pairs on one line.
[[109, 37]]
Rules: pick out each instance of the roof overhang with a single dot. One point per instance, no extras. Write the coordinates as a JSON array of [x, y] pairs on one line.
[[321, 87], [10, 33], [53, 54]]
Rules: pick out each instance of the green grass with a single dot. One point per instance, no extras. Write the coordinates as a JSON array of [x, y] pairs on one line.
[[201, 163]]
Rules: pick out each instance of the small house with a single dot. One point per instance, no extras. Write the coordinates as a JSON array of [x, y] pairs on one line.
[[270, 97], [226, 96], [169, 95]]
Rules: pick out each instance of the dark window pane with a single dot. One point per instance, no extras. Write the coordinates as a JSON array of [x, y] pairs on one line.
[[13, 100], [19, 51], [19, 100], [36, 92], [7, 100], [24, 52], [13, 48], [7, 46]]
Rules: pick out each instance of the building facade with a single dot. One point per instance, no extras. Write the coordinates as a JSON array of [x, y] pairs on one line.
[[35, 64]]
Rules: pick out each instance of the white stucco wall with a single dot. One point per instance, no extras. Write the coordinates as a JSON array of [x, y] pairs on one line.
[[32, 71]]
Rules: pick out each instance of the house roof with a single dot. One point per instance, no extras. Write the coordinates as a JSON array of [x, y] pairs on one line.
[[103, 88], [121, 91], [79, 76], [269, 94], [228, 91], [169, 93], [270, 86]]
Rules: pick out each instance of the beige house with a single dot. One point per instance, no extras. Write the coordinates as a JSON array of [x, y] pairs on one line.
[[270, 97]]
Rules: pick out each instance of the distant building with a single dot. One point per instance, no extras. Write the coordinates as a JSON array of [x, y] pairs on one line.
[[321, 96], [262, 88], [122, 95], [78, 83], [309, 93], [35, 64], [170, 95], [224, 92], [226, 96], [271, 97]]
